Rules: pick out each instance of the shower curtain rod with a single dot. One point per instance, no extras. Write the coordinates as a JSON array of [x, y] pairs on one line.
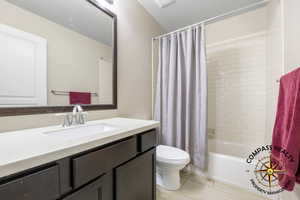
[[252, 6], [247, 8]]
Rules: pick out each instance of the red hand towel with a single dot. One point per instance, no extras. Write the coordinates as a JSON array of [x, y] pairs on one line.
[[80, 98], [286, 133]]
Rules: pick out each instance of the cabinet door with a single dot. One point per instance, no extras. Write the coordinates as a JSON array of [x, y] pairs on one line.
[[101, 189], [41, 185], [135, 180]]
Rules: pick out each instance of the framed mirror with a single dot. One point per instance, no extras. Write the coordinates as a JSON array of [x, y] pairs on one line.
[[56, 54]]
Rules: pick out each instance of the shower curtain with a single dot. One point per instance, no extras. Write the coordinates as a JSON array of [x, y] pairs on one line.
[[181, 93]]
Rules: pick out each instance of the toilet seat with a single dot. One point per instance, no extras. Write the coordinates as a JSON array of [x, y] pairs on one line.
[[171, 155]]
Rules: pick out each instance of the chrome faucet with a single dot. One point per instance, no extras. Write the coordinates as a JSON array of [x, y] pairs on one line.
[[78, 115], [68, 120]]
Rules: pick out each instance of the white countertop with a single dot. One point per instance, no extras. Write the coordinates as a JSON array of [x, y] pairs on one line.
[[25, 149]]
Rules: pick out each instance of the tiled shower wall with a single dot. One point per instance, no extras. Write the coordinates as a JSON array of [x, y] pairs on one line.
[[237, 90]]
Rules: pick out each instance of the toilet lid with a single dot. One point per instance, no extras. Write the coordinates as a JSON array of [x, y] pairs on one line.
[[169, 154]]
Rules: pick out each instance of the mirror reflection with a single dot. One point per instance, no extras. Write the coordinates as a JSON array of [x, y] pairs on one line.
[[55, 53]]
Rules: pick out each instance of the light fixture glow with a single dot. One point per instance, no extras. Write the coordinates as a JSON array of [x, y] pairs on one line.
[[164, 3], [108, 1]]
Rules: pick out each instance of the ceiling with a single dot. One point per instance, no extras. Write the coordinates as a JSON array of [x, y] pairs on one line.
[[187, 12], [77, 15]]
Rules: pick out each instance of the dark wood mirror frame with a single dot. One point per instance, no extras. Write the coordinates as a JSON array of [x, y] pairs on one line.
[[57, 109]]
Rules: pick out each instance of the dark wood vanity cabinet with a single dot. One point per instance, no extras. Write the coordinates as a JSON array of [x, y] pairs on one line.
[[100, 189], [88, 166], [43, 184], [122, 170], [135, 180]]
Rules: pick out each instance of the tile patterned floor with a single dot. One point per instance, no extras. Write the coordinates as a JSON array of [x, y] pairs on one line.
[[198, 188]]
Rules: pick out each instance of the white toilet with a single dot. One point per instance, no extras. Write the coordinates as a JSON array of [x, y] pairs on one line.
[[170, 161]]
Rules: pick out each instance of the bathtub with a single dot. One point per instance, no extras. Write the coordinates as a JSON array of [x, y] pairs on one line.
[[227, 163]]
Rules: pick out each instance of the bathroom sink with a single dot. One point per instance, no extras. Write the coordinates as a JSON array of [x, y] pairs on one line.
[[81, 131]]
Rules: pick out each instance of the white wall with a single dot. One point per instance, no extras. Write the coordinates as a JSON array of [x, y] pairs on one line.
[[274, 62], [105, 82], [292, 33], [245, 24], [135, 30], [135, 82], [291, 16], [283, 49]]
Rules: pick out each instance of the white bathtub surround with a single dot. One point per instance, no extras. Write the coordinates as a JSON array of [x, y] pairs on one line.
[[181, 94], [22, 150], [237, 89], [170, 161]]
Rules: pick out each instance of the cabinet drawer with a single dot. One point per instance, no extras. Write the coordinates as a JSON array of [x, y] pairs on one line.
[[40, 185], [93, 165], [147, 140]]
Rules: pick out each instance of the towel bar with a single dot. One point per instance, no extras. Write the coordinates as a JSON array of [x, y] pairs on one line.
[[57, 92]]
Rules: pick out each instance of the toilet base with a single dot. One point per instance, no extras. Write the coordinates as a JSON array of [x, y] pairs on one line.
[[168, 179]]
